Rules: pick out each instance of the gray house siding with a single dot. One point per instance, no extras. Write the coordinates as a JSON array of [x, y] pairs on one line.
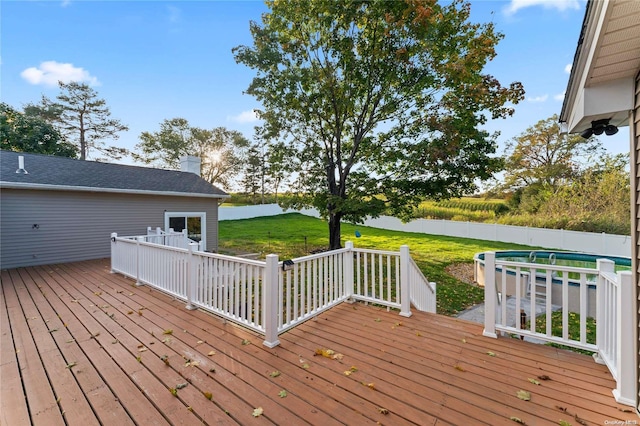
[[43, 227]]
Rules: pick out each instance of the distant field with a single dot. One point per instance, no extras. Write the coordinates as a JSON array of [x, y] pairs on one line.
[[462, 209]]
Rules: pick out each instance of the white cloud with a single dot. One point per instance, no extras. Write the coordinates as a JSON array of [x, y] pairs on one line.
[[65, 3], [560, 5], [567, 68], [175, 14], [540, 98], [244, 117], [560, 96], [50, 72]]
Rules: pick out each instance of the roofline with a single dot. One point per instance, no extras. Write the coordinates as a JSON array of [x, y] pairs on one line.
[[571, 91], [49, 187]]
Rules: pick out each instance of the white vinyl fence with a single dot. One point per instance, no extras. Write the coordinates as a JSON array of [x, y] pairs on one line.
[[588, 242], [270, 296]]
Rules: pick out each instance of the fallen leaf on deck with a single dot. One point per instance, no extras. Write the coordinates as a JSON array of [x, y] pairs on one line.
[[459, 368], [371, 386], [464, 340], [328, 353], [245, 342], [139, 358], [257, 412], [95, 334], [118, 291], [418, 333], [491, 353], [382, 410], [166, 340], [190, 409], [71, 340], [377, 320], [275, 374], [564, 423], [563, 409], [544, 377], [348, 373], [105, 306], [192, 364], [211, 353], [517, 420], [534, 381], [305, 366], [113, 342], [75, 301], [165, 359], [52, 330], [353, 369], [181, 385], [130, 294], [523, 395], [579, 420], [129, 313], [398, 324], [282, 394], [72, 364], [199, 342], [142, 350], [98, 293], [207, 395], [168, 331], [625, 410], [173, 391]]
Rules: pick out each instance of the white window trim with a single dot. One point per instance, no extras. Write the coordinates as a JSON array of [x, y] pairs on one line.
[[203, 223]]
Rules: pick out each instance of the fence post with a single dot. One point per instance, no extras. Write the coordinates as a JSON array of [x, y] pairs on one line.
[[348, 270], [114, 235], [138, 240], [405, 287], [191, 277], [490, 295], [602, 265], [270, 301], [624, 392]]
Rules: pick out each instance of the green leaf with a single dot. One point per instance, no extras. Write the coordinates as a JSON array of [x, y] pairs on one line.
[[523, 395], [245, 342], [282, 394], [564, 423], [491, 353], [534, 381], [274, 374]]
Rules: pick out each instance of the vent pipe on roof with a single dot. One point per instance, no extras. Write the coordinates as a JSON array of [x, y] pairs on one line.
[[21, 165], [190, 164]]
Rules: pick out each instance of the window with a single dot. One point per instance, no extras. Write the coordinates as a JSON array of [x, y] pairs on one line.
[[194, 222]]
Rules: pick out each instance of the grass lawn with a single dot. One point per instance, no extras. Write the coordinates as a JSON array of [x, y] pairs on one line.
[[285, 235]]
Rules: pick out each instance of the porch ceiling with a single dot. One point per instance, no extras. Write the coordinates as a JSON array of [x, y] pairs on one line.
[[606, 62]]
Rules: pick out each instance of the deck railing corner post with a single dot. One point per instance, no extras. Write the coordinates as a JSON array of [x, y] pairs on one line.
[[114, 235], [191, 277], [348, 270], [138, 261], [625, 391], [490, 295], [405, 287], [270, 301]]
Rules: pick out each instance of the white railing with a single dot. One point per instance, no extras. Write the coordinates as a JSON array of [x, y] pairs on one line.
[[521, 297], [423, 292], [310, 285], [377, 277], [271, 297], [230, 287]]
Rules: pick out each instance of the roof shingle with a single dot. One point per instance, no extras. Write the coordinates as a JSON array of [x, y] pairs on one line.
[[94, 176]]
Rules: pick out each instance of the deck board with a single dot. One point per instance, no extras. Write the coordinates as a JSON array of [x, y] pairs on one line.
[[113, 331]]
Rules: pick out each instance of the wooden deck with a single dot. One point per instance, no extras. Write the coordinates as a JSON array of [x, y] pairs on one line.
[[81, 346]]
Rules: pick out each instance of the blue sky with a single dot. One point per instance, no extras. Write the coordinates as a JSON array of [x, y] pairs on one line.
[[156, 60]]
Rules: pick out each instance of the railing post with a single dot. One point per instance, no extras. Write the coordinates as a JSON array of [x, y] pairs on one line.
[[625, 390], [138, 240], [405, 287], [602, 265], [191, 277], [490, 295], [114, 235], [270, 302], [348, 269]]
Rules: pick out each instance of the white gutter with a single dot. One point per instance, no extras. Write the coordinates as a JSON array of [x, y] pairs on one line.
[[49, 187]]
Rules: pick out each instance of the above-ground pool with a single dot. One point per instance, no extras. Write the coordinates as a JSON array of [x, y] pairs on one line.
[[547, 267]]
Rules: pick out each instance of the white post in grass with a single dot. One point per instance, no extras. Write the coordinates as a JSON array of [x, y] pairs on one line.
[[405, 287], [191, 277], [490, 295], [114, 235], [625, 392], [270, 303], [348, 271], [138, 241]]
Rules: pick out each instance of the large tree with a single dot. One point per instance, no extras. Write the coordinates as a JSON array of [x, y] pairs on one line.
[[83, 118], [544, 155], [24, 132], [220, 150], [381, 102]]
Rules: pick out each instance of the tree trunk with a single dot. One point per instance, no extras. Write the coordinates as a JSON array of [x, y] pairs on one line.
[[334, 231]]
